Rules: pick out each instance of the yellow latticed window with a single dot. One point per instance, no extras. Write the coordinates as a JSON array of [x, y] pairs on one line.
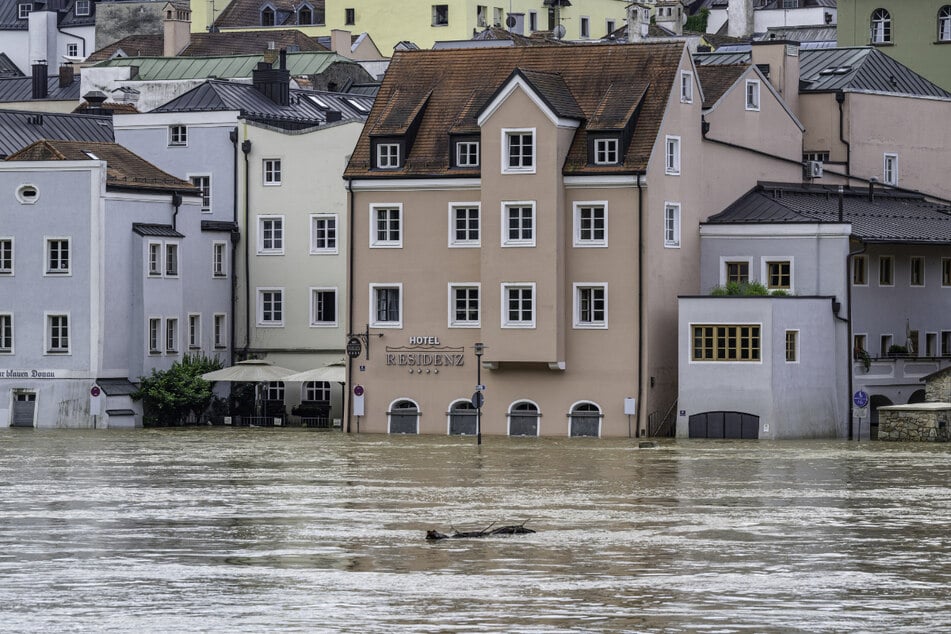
[[726, 343]]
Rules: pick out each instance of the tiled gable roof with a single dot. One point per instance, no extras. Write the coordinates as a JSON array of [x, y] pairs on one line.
[[886, 216], [124, 169], [552, 89], [716, 80], [211, 44], [149, 45], [585, 72]]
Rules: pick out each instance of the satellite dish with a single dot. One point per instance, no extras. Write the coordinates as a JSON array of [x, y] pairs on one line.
[[559, 31], [510, 21]]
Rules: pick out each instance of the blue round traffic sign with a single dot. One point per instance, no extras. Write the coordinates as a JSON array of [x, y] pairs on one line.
[[860, 398]]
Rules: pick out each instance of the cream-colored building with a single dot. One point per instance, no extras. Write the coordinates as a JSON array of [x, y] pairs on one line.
[[548, 209], [422, 23]]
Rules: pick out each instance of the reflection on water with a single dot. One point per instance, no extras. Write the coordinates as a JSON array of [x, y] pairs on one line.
[[256, 529]]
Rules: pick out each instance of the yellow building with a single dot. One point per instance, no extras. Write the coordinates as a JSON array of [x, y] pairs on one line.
[[420, 22]]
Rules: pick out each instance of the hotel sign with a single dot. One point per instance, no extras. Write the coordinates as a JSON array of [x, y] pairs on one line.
[[425, 353], [28, 374]]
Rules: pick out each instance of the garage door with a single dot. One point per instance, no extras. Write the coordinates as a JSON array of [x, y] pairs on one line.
[[24, 405], [724, 425]]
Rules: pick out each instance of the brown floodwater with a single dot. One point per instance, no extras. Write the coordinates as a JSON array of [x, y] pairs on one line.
[[251, 530]]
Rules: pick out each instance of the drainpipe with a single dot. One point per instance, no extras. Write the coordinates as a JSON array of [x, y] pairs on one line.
[[848, 317], [235, 238], [246, 148], [176, 203], [350, 232], [840, 99], [640, 303]]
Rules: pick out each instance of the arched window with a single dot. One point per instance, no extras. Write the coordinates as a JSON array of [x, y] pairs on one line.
[[317, 391], [305, 15], [462, 419], [267, 16], [881, 26], [523, 419], [404, 417], [584, 420], [944, 23]]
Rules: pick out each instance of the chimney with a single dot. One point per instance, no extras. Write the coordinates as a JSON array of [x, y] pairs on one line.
[[275, 84], [176, 29], [42, 33], [340, 42], [94, 100], [66, 75], [739, 13], [638, 22], [778, 60], [670, 15], [40, 80]]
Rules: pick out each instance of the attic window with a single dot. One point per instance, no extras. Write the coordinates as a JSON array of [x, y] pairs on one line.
[[319, 102], [267, 16], [81, 7], [359, 106], [388, 156], [91, 155], [836, 70], [605, 151], [28, 194], [305, 15], [23, 10]]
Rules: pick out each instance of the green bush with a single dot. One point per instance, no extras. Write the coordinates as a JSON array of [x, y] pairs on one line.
[[697, 23], [742, 289], [170, 397]]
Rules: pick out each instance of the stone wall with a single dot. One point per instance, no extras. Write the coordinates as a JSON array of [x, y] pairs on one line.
[[928, 425], [938, 388]]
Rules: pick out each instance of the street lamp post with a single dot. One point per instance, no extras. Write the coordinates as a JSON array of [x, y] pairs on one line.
[[479, 349]]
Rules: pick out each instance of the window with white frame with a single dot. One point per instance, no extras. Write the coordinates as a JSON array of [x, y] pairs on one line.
[[270, 307], [57, 333], [177, 135], [591, 305], [497, 16], [203, 183], [467, 154], [57, 256], [155, 332], [890, 169], [881, 27], [6, 333], [778, 274], [672, 225], [944, 23], [606, 151], [464, 305], [440, 15], [171, 260], [885, 344], [518, 305], [82, 7], [23, 10], [518, 147], [736, 270], [916, 268], [518, 224], [388, 155], [611, 26], [464, 225], [532, 21], [323, 234], [171, 335], [585, 27], [945, 271], [274, 391], [482, 16], [946, 343], [220, 325], [752, 94], [194, 330], [270, 235], [672, 164], [386, 305], [317, 391], [686, 86], [323, 307], [272, 171], [591, 224], [386, 226], [792, 346], [155, 259], [860, 270], [886, 270], [219, 259], [6, 256], [72, 49]]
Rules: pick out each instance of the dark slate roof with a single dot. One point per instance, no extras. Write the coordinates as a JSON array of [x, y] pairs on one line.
[[145, 45], [218, 225], [859, 69], [19, 129], [306, 106], [116, 387], [248, 12], [155, 231], [124, 169], [8, 68], [552, 89], [886, 216], [17, 89], [816, 33], [65, 9], [716, 80], [587, 72], [211, 44]]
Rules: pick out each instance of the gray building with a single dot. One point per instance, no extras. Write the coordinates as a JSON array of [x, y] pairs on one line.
[[107, 271], [860, 286]]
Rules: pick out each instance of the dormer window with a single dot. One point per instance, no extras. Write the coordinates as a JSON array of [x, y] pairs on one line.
[[606, 151], [82, 7], [388, 155], [23, 10], [466, 153], [305, 15], [267, 16]]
